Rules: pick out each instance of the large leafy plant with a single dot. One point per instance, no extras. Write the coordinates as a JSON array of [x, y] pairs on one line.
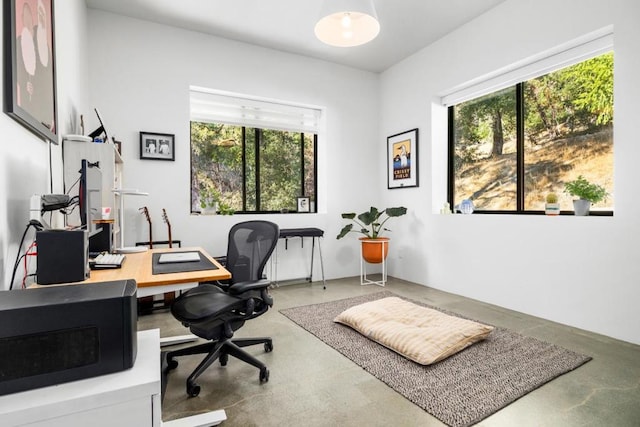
[[583, 189], [371, 222]]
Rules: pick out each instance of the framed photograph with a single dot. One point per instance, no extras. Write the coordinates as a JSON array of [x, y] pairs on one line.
[[402, 160], [304, 204], [29, 66], [157, 146]]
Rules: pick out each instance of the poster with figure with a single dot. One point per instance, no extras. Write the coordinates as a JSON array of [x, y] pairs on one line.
[[30, 85], [402, 159]]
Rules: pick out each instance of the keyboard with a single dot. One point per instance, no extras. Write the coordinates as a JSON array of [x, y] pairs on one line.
[[103, 261]]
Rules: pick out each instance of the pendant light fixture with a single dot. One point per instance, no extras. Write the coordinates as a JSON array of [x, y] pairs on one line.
[[347, 23]]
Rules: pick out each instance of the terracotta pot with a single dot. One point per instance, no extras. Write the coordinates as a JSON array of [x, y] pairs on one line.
[[374, 251]]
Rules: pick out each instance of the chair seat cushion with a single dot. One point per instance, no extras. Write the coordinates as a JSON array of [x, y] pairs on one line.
[[418, 333], [200, 306]]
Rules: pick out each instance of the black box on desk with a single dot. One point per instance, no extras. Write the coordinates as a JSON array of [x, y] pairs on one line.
[[55, 334], [63, 256], [103, 241]]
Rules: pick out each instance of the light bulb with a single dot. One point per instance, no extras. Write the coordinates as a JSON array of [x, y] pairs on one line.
[[346, 20], [347, 34]]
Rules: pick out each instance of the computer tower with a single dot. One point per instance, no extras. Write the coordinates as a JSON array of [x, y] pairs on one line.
[[63, 256]]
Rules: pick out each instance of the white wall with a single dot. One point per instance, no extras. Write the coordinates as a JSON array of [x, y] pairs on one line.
[[578, 271], [24, 158], [140, 76]]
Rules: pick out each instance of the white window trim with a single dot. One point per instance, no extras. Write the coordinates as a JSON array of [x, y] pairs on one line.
[[570, 53]]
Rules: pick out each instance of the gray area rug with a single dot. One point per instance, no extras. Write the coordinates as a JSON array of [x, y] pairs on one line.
[[460, 390]]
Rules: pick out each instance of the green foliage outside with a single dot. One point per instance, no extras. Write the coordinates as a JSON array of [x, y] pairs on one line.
[[217, 167]]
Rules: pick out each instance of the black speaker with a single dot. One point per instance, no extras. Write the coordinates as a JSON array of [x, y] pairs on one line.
[[63, 256], [101, 242], [57, 334]]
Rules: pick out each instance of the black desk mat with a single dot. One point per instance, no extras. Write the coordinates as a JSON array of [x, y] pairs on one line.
[[181, 267]]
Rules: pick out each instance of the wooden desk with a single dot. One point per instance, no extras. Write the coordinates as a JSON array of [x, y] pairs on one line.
[[138, 266]]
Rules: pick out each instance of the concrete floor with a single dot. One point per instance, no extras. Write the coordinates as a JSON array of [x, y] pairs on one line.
[[313, 385]]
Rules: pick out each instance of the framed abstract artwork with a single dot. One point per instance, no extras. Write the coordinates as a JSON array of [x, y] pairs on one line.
[[30, 71], [402, 160]]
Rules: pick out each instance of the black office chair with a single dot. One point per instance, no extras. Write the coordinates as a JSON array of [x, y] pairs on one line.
[[214, 314]]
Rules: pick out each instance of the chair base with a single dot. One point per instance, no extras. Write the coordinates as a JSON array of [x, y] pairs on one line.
[[221, 350]]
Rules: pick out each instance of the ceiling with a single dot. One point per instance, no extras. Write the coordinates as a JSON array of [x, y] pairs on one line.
[[287, 25]]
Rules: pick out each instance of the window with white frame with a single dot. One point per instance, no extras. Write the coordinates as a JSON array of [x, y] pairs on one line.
[[521, 135], [251, 155]]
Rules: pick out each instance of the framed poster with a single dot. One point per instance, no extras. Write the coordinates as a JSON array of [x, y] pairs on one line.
[[29, 66], [402, 160], [157, 146]]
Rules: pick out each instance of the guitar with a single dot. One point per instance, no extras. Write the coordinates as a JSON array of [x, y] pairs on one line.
[[145, 304], [168, 296], [165, 218], [146, 214]]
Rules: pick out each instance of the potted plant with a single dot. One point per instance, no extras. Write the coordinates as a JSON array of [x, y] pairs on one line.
[[552, 207], [208, 201], [586, 192], [371, 225]]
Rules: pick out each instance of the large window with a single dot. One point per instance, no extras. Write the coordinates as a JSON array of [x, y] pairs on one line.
[[251, 156], [508, 149]]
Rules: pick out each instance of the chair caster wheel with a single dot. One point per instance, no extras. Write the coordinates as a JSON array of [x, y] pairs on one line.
[[264, 375], [172, 364], [268, 346], [193, 390], [224, 358]]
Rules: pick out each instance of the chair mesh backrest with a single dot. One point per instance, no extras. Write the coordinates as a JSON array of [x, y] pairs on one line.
[[250, 246]]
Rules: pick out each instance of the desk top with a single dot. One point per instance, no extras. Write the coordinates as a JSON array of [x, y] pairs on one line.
[[138, 266]]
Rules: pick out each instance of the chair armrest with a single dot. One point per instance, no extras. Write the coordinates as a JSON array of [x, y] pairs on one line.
[[242, 287]]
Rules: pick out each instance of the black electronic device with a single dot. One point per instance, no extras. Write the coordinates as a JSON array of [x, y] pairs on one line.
[[90, 196], [101, 129], [103, 241], [63, 256], [59, 334], [53, 202]]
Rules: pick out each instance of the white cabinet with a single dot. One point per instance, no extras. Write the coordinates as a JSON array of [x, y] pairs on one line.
[[130, 398]]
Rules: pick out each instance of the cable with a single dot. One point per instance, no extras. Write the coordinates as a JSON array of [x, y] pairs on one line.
[[35, 224], [26, 254], [73, 185], [50, 169]]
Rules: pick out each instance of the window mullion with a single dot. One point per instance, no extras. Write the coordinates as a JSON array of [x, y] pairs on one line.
[[244, 168], [302, 170], [258, 137], [452, 155], [520, 172]]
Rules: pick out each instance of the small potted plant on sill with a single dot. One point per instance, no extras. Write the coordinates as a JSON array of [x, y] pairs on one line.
[[552, 207], [371, 225], [208, 201], [586, 192]]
